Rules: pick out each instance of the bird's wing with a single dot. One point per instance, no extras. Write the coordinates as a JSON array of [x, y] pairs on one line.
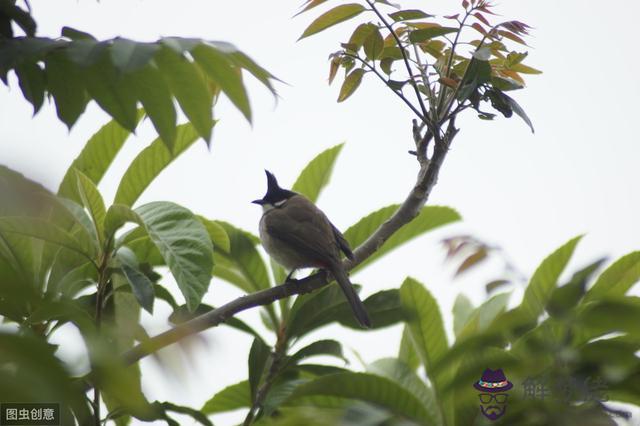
[[342, 242], [305, 231]]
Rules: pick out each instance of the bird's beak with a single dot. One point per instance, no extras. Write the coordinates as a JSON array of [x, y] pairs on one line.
[[259, 202]]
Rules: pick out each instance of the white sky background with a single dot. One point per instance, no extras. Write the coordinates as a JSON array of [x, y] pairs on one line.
[[526, 193]]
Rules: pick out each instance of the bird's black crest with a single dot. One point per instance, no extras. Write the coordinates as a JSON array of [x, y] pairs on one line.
[[274, 192]]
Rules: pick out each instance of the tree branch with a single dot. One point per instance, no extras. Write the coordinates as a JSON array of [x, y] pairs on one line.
[[410, 208]]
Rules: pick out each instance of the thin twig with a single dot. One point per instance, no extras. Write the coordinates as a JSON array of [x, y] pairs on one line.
[[384, 80], [425, 113]]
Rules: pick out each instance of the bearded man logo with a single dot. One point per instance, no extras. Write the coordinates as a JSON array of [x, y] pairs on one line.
[[493, 387]]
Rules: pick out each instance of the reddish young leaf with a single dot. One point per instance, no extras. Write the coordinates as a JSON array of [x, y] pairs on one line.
[[472, 260], [452, 16], [486, 9], [482, 19], [465, 4], [449, 82], [516, 27], [333, 68], [512, 74], [476, 26], [512, 36]]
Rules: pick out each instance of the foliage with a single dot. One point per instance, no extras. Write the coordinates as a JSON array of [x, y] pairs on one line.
[[119, 74], [75, 259], [587, 339], [439, 61]]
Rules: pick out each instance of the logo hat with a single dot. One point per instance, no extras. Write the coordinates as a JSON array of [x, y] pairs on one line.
[[493, 381]]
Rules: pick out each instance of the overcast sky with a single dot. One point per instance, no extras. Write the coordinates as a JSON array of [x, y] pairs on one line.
[[526, 193]]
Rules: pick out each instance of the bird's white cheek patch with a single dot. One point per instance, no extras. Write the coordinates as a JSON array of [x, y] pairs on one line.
[[280, 203]]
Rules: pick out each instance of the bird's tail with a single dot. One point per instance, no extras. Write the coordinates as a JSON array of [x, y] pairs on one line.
[[357, 306]]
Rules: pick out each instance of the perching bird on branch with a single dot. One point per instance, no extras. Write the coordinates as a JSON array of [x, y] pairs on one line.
[[297, 234]]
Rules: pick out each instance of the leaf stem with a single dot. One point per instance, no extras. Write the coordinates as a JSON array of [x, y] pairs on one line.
[[384, 80], [425, 113]]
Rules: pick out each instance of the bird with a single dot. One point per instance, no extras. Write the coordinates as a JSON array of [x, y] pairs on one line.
[[297, 234]]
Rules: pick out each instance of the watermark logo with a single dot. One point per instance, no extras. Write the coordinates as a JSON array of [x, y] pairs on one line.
[[15, 414], [493, 387]]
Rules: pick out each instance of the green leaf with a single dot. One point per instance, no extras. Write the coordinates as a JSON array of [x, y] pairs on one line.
[[383, 307], [196, 415], [219, 68], [129, 56], [360, 34], [241, 60], [462, 311], [425, 323], [408, 15], [350, 84], [38, 375], [545, 279], [92, 200], [477, 73], [114, 94], [32, 83], [315, 176], [95, 158], [244, 260], [373, 45], [313, 310], [218, 235], [141, 286], [150, 162], [43, 230], [371, 388], [154, 95], [184, 244], [612, 314], [230, 398], [320, 347], [482, 317], [419, 36], [189, 88], [518, 110], [617, 279], [179, 236], [564, 299], [310, 4], [74, 34], [258, 358], [79, 217], [524, 69], [407, 352], [430, 217], [118, 215], [406, 377], [505, 84], [332, 17], [66, 85]]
